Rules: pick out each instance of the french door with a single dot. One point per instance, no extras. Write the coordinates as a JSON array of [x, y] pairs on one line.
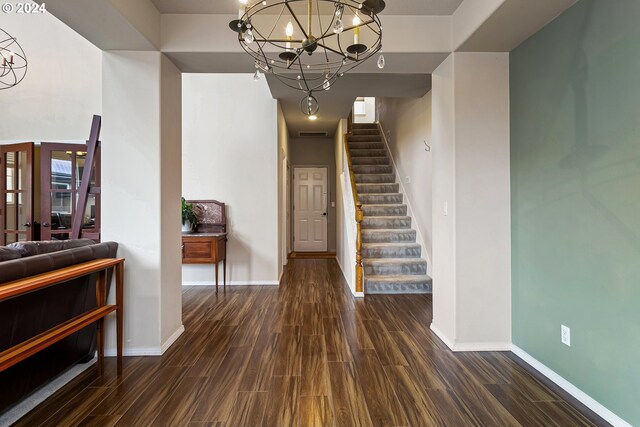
[[62, 166], [16, 193]]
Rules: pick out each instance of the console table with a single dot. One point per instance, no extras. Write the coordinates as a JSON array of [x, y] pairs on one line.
[[20, 352], [208, 245], [206, 248]]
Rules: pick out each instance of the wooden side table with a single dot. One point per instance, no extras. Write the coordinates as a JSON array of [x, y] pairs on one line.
[[206, 248]]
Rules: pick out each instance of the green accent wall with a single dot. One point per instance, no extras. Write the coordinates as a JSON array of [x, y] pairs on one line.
[[575, 172]]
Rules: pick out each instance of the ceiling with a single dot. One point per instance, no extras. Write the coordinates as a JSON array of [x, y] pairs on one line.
[[336, 103], [394, 7]]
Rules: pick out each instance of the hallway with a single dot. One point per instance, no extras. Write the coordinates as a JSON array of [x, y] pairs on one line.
[[309, 354]]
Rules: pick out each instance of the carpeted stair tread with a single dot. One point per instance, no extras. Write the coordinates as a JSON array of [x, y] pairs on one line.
[[372, 169], [394, 266], [378, 188], [381, 199], [361, 161], [400, 284], [367, 152], [375, 178], [373, 235], [391, 250], [366, 145], [365, 138], [356, 126], [384, 210], [387, 222]]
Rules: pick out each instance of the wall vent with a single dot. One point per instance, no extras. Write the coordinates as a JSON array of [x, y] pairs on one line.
[[313, 134]]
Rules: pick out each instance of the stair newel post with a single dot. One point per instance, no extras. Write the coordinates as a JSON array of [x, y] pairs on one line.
[[359, 267]]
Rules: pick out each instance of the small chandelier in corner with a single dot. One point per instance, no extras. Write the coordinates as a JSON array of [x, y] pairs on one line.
[[13, 61], [309, 44]]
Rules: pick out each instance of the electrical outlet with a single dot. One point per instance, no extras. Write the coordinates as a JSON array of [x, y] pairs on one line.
[[408, 180], [565, 335], [445, 209]]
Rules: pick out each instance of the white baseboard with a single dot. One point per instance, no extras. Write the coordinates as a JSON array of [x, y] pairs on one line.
[[466, 346], [482, 346], [574, 391], [235, 283], [442, 336], [134, 351], [358, 294], [147, 351], [169, 342]]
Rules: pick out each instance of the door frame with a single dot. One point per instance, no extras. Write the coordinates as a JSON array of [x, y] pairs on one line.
[[29, 147], [292, 207], [46, 148]]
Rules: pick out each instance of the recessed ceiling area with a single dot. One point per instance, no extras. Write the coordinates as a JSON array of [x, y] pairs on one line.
[[394, 7], [336, 103]]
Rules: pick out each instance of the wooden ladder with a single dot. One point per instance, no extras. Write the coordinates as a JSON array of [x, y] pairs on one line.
[[85, 184]]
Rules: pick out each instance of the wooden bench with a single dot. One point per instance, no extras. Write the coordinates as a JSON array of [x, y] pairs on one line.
[[27, 348]]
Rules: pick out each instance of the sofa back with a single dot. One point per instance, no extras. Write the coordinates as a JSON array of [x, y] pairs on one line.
[[26, 316], [40, 257]]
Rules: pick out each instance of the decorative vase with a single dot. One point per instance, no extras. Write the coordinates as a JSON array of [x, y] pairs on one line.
[[187, 228]]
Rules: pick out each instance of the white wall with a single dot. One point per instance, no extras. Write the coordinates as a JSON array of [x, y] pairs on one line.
[[230, 154], [141, 192], [62, 89], [284, 225], [369, 115], [170, 191], [407, 126], [471, 242], [345, 213]]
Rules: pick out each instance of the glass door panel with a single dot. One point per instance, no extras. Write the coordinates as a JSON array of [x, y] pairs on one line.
[[63, 165], [16, 193]]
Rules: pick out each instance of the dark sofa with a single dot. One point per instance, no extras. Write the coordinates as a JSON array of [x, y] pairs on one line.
[[29, 315]]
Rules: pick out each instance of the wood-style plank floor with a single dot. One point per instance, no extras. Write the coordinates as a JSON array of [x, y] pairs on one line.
[[308, 354]]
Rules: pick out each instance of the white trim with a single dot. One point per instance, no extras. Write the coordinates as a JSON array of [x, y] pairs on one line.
[[407, 201], [470, 346], [574, 391], [235, 283], [441, 335], [133, 351], [482, 346], [169, 342], [358, 294]]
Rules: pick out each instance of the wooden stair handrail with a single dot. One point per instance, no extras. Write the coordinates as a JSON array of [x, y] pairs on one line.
[[359, 211]]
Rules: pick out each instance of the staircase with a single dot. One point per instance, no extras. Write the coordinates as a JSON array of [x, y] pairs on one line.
[[392, 259]]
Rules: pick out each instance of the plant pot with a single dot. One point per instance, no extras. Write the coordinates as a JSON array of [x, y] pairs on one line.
[[187, 228]]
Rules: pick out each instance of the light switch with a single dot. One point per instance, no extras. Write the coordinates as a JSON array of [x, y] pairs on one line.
[[446, 209], [333, 204]]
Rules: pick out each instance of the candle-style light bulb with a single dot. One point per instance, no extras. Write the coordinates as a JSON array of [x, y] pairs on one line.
[[356, 30], [242, 9], [289, 32]]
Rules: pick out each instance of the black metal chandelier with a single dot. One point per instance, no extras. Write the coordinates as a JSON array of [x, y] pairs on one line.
[[13, 61], [309, 44]]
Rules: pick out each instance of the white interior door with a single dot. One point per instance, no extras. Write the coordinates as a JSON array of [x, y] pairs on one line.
[[310, 209]]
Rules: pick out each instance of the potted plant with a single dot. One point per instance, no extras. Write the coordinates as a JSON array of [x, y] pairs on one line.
[[189, 218]]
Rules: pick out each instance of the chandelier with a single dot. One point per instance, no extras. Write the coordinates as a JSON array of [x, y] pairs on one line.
[[13, 61], [309, 44]]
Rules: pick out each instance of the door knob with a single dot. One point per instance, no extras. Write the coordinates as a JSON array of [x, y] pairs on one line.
[[46, 224], [324, 214], [27, 225]]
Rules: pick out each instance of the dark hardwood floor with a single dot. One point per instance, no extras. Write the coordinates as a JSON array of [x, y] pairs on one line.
[[308, 354]]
